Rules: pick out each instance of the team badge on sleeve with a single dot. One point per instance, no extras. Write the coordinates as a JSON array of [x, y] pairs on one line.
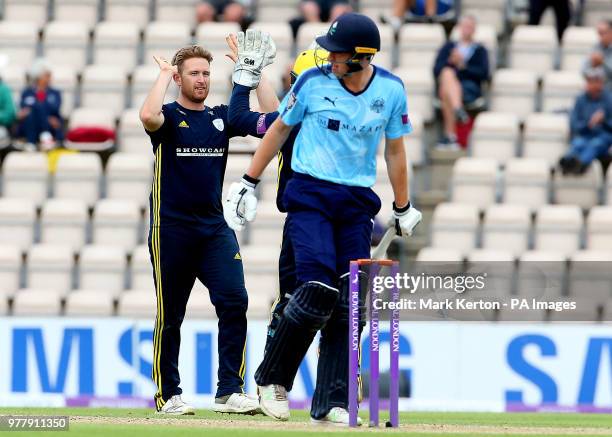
[[405, 119], [291, 100]]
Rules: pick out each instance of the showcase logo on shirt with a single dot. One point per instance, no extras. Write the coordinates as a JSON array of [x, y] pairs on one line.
[[199, 151]]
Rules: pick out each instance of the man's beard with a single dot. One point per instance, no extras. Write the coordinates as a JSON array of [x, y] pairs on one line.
[[192, 98]]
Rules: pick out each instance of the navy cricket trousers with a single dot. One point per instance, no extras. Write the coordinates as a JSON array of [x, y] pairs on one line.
[[329, 225], [180, 253]]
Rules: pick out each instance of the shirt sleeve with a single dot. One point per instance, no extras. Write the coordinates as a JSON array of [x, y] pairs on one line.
[[293, 107], [399, 123], [160, 134]]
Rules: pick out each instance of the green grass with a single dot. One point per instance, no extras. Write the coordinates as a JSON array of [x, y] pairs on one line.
[[563, 423]]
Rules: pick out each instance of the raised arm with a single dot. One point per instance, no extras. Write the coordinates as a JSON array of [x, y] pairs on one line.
[[266, 96], [151, 113]]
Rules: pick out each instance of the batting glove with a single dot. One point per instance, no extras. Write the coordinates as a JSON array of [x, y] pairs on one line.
[[406, 219], [255, 50], [240, 205]]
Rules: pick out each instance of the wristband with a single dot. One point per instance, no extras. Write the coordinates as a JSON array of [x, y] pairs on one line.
[[402, 209], [248, 180]]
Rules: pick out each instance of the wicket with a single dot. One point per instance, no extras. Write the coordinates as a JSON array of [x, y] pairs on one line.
[[353, 333]]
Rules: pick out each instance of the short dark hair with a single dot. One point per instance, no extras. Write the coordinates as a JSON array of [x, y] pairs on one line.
[[190, 52]]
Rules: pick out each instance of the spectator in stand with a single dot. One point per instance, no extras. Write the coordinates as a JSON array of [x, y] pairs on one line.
[[562, 9], [427, 10], [39, 114], [460, 69], [7, 108], [591, 124], [319, 11], [228, 11], [601, 56]]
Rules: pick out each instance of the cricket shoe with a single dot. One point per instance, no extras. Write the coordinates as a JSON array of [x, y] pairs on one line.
[[337, 416], [175, 406], [236, 403], [273, 401]]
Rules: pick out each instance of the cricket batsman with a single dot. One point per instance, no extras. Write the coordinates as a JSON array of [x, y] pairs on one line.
[[344, 106]]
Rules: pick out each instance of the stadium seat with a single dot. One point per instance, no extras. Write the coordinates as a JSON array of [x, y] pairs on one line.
[[236, 166], [495, 136], [32, 302], [558, 228], [384, 57], [308, 32], [489, 12], [527, 182], [84, 11], [498, 265], [86, 117], [64, 78], [104, 88], [608, 188], [176, 10], [589, 275], [454, 226], [129, 176], [17, 218], [419, 44], [560, 89], [4, 305], [576, 44], [582, 190], [283, 38], [88, 303], [220, 81], [116, 222], [540, 274], [133, 11], [587, 310], [26, 10], [275, 11], [78, 177], [64, 221], [414, 141], [506, 227], [487, 36], [10, 269], [132, 137], [514, 91], [545, 136], [199, 306], [596, 10], [140, 304], [164, 38], [599, 228], [439, 255], [25, 175], [18, 41], [259, 259], [533, 48], [102, 268], [116, 44], [474, 181], [607, 311], [419, 85], [49, 267], [263, 291], [246, 144], [141, 269], [211, 36], [14, 76], [268, 227], [65, 43], [143, 79]]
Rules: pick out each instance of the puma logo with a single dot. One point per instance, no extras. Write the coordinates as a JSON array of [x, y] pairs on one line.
[[333, 102]]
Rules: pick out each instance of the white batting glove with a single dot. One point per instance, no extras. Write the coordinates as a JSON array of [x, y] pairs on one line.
[[240, 205], [406, 219], [255, 50]]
